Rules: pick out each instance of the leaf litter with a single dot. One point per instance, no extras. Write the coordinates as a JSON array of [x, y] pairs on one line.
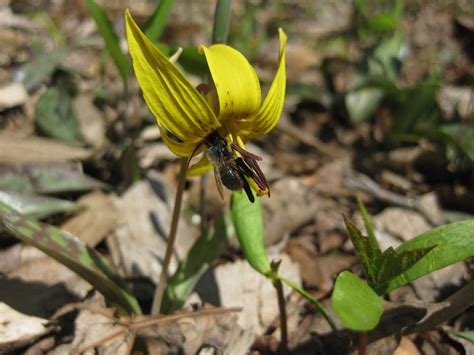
[[108, 179]]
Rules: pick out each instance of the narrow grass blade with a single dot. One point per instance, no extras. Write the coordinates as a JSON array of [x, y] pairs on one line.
[[157, 21], [110, 37]]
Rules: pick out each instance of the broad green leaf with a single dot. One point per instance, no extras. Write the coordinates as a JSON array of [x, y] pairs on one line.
[[55, 116], [248, 223], [156, 23], [355, 303], [454, 243], [198, 260], [72, 253], [45, 179], [111, 39], [42, 67], [36, 206], [381, 267]]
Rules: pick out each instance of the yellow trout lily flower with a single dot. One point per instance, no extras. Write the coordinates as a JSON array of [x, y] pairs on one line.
[[231, 107]]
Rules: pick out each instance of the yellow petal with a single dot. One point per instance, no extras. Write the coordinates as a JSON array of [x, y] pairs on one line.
[[269, 114], [236, 82], [200, 168], [182, 149], [176, 104]]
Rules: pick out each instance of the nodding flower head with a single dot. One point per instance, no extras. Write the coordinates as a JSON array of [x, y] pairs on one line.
[[231, 105]]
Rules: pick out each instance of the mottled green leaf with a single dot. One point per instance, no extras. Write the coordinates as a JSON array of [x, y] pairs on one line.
[[198, 259], [111, 39], [55, 116], [72, 253], [36, 206], [355, 303], [42, 67], [454, 243], [381, 267], [248, 223], [45, 179]]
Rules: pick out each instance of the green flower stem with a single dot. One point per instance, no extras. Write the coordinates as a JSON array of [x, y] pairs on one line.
[[306, 295], [220, 30], [160, 288]]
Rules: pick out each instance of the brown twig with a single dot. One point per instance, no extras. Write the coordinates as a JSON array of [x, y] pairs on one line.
[[160, 288]]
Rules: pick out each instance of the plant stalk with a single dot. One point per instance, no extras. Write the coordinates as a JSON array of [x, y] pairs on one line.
[[160, 288], [362, 343], [283, 319]]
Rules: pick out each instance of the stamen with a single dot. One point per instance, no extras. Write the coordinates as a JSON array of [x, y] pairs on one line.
[[245, 153], [174, 58]]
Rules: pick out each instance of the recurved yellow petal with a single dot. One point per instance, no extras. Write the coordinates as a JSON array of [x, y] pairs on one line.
[[182, 149], [176, 104], [269, 114], [237, 85], [200, 168]]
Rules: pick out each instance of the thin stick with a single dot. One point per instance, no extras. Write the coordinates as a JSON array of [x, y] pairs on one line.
[[283, 323], [160, 288]]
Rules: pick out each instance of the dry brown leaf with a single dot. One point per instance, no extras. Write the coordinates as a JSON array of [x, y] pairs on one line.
[[283, 214], [39, 150], [96, 221], [90, 120], [40, 285], [12, 94], [406, 347], [401, 223], [238, 285], [18, 330], [139, 243]]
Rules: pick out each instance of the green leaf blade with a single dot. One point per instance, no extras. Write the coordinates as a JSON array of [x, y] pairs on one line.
[[454, 243], [248, 223], [157, 21], [110, 38], [45, 179], [36, 206], [55, 116], [355, 303]]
